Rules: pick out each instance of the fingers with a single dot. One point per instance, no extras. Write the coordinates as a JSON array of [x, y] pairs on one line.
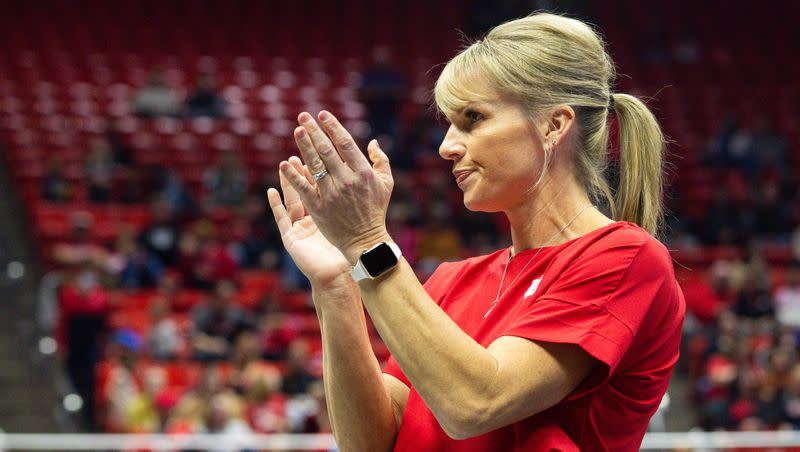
[[292, 199], [343, 141], [278, 211], [307, 151], [380, 161], [307, 193], [313, 140]]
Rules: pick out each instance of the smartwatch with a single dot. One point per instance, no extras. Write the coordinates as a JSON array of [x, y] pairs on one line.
[[376, 261]]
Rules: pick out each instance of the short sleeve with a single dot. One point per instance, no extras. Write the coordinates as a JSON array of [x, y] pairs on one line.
[[435, 286], [599, 302]]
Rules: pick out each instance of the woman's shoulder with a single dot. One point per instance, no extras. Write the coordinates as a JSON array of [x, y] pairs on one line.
[[619, 237], [616, 249]]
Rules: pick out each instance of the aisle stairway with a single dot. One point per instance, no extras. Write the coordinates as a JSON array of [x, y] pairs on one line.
[[27, 391]]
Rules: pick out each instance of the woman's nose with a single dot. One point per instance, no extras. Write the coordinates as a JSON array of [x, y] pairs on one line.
[[452, 147]]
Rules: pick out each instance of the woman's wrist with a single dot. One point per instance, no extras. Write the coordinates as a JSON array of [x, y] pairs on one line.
[[341, 282], [353, 251]]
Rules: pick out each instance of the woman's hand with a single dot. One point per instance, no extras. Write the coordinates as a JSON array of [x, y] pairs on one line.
[[349, 204], [314, 255]]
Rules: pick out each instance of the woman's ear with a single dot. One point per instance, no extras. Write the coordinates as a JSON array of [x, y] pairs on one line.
[[559, 123]]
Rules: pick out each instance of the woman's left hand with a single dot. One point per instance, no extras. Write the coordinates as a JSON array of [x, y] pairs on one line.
[[349, 204]]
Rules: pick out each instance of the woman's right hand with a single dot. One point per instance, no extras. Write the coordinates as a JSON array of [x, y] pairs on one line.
[[321, 262]]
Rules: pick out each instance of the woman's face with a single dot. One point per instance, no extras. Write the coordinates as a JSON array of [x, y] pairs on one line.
[[496, 146]]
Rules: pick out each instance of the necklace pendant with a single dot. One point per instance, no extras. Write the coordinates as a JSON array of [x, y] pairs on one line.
[[490, 309]]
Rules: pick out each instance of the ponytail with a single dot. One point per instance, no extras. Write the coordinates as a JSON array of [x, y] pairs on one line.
[[641, 148]]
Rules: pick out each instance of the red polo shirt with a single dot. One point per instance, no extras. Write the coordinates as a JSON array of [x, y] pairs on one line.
[[612, 292]]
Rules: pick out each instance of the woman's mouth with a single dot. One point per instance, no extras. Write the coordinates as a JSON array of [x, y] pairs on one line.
[[463, 176]]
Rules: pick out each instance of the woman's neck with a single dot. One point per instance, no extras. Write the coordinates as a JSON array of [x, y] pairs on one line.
[[554, 214]]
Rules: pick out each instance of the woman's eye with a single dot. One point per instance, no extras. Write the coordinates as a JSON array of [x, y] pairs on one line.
[[473, 116]]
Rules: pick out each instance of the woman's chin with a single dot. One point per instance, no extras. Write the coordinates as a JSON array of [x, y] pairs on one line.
[[477, 204]]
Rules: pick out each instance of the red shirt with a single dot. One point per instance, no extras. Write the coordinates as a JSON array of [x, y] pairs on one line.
[[612, 292]]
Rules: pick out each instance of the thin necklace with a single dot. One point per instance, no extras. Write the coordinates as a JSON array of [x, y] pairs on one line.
[[498, 296]]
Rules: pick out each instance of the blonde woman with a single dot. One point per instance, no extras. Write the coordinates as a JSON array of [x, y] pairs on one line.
[[566, 339]]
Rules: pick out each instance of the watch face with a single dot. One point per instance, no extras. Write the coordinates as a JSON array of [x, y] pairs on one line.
[[378, 260]]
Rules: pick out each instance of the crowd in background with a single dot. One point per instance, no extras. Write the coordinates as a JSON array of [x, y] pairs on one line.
[[742, 332], [258, 373]]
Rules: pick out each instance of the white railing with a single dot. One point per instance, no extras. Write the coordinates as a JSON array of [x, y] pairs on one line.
[[221, 442], [68, 441]]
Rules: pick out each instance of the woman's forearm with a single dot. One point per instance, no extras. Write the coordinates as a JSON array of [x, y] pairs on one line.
[[449, 369], [359, 406]]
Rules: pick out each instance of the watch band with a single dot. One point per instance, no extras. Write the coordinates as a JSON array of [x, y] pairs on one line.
[[359, 272]]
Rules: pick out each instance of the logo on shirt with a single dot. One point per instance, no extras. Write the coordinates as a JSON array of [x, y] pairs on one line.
[[532, 289]]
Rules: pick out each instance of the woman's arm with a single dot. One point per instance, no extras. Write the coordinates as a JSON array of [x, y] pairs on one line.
[[364, 405], [470, 389]]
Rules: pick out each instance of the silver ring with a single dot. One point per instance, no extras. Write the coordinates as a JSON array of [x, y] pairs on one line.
[[320, 175]]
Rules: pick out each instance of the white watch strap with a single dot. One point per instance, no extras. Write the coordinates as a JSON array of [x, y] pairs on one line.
[[359, 272]]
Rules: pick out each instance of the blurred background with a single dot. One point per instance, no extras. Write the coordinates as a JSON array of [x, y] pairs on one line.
[[144, 285]]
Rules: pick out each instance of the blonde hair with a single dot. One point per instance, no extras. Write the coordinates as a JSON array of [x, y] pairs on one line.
[[545, 60]]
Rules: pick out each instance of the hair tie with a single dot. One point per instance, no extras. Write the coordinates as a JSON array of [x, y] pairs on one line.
[[610, 102]]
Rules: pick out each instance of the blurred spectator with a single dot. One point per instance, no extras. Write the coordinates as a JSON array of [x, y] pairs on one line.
[[204, 100], [771, 220], [83, 309], [120, 149], [163, 182], [99, 170], [133, 266], [382, 90], [318, 420], [123, 384], [188, 416], [707, 297], [753, 299], [247, 369], [203, 260], [226, 182], [787, 299], [55, 186], [791, 400], [259, 245], [226, 417], [266, 410], [277, 333], [424, 136], [79, 248], [769, 146], [142, 414], [723, 223], [297, 378], [155, 98], [718, 150], [440, 240], [164, 341], [217, 324], [162, 236]]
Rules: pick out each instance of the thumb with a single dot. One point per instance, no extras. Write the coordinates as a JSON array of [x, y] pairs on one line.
[[380, 161]]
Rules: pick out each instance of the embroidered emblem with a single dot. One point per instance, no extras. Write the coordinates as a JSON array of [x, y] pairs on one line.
[[532, 289]]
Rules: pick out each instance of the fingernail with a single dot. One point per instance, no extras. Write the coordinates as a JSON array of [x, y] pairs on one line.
[[301, 132], [304, 117], [324, 116]]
